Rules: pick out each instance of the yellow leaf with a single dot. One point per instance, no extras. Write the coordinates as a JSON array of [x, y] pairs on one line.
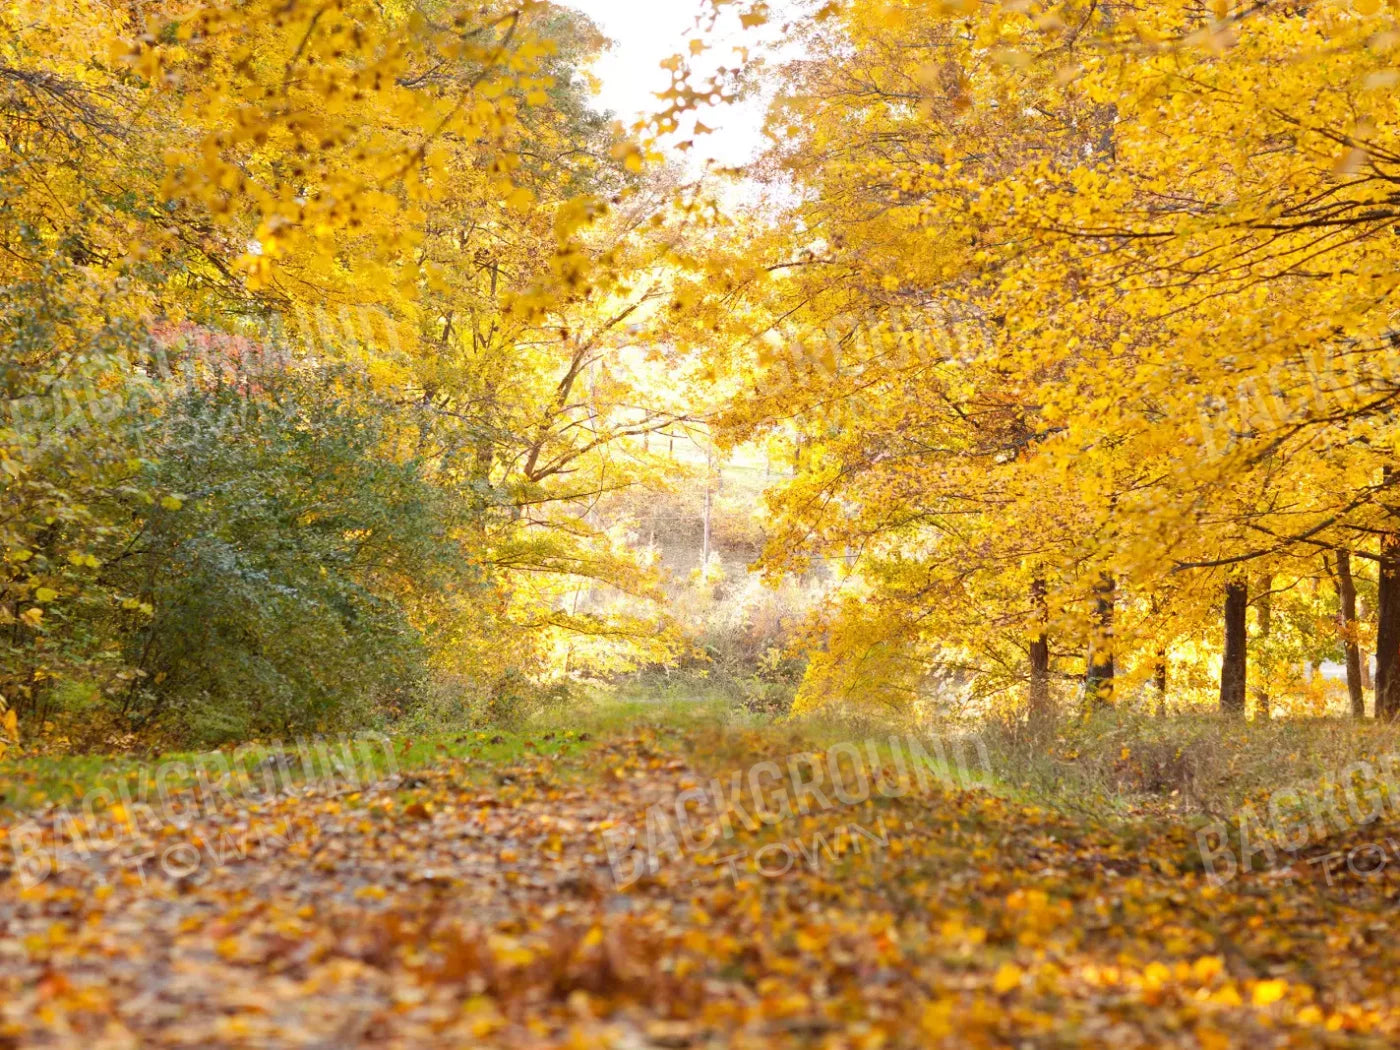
[[1267, 993], [937, 1020], [1007, 978], [1207, 968]]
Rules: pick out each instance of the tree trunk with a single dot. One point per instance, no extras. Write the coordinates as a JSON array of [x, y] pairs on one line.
[[1159, 678], [1098, 681], [1263, 705], [1234, 669], [1346, 591], [708, 514], [1040, 655], [1388, 630], [1159, 665], [705, 531], [1368, 681]]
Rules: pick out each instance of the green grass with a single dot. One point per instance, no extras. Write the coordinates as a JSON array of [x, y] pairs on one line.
[[33, 782], [30, 782]]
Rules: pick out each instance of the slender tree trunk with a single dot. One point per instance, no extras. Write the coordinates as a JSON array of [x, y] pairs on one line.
[[1040, 655], [1263, 705], [1098, 681], [1388, 630], [708, 513], [1346, 591], [1159, 665], [1159, 679], [1368, 681], [1234, 669], [705, 540]]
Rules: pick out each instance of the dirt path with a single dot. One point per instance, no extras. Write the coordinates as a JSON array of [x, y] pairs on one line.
[[444, 912]]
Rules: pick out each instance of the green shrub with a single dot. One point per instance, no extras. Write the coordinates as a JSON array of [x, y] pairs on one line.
[[279, 571]]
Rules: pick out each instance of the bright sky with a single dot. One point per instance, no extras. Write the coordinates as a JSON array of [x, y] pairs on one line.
[[646, 32]]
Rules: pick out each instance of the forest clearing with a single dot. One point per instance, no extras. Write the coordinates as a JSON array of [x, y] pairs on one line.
[[716, 523]]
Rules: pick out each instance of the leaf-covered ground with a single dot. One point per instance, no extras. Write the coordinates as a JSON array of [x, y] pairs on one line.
[[463, 907]]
